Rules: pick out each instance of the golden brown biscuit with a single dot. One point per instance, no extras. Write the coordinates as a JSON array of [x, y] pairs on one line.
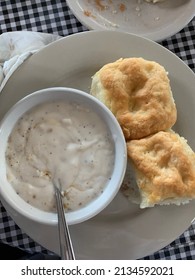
[[138, 93], [164, 168]]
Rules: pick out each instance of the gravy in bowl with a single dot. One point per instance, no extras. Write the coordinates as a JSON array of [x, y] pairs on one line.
[[59, 140]]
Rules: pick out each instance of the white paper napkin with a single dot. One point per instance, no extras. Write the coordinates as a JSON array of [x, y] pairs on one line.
[[16, 47]]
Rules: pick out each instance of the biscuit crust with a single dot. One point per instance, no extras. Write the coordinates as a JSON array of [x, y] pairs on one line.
[[138, 93], [165, 168]]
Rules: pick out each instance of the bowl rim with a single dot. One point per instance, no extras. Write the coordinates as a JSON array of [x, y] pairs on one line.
[[77, 216]]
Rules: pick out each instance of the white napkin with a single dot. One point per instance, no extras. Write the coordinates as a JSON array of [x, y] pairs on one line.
[[16, 47]]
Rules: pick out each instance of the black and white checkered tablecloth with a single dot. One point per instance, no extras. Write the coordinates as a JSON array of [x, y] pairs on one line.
[[56, 18]]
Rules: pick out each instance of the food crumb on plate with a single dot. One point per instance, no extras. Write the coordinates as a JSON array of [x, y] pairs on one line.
[[102, 8]]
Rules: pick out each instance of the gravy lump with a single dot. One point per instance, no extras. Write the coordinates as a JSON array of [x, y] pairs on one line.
[[59, 140]]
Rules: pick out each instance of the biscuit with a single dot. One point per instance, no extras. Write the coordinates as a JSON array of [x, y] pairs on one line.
[[138, 93], [164, 166]]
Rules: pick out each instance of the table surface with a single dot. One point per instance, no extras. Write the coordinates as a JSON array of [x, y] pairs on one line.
[[56, 18]]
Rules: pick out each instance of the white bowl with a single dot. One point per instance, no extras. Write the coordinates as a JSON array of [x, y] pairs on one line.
[[7, 191]]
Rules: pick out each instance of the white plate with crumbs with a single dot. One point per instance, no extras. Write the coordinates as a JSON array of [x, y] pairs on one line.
[[122, 230], [154, 21]]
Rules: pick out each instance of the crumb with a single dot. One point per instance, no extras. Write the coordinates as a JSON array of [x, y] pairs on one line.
[[88, 14], [122, 7]]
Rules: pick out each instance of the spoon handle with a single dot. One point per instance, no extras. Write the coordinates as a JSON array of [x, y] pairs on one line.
[[66, 248]]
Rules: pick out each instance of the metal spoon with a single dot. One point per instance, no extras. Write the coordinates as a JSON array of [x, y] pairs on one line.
[[66, 248]]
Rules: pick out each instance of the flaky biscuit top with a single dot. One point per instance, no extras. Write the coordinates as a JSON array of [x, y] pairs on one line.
[[165, 167], [138, 93]]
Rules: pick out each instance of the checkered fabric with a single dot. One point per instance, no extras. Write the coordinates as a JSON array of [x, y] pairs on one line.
[[42, 16], [55, 17], [12, 235]]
